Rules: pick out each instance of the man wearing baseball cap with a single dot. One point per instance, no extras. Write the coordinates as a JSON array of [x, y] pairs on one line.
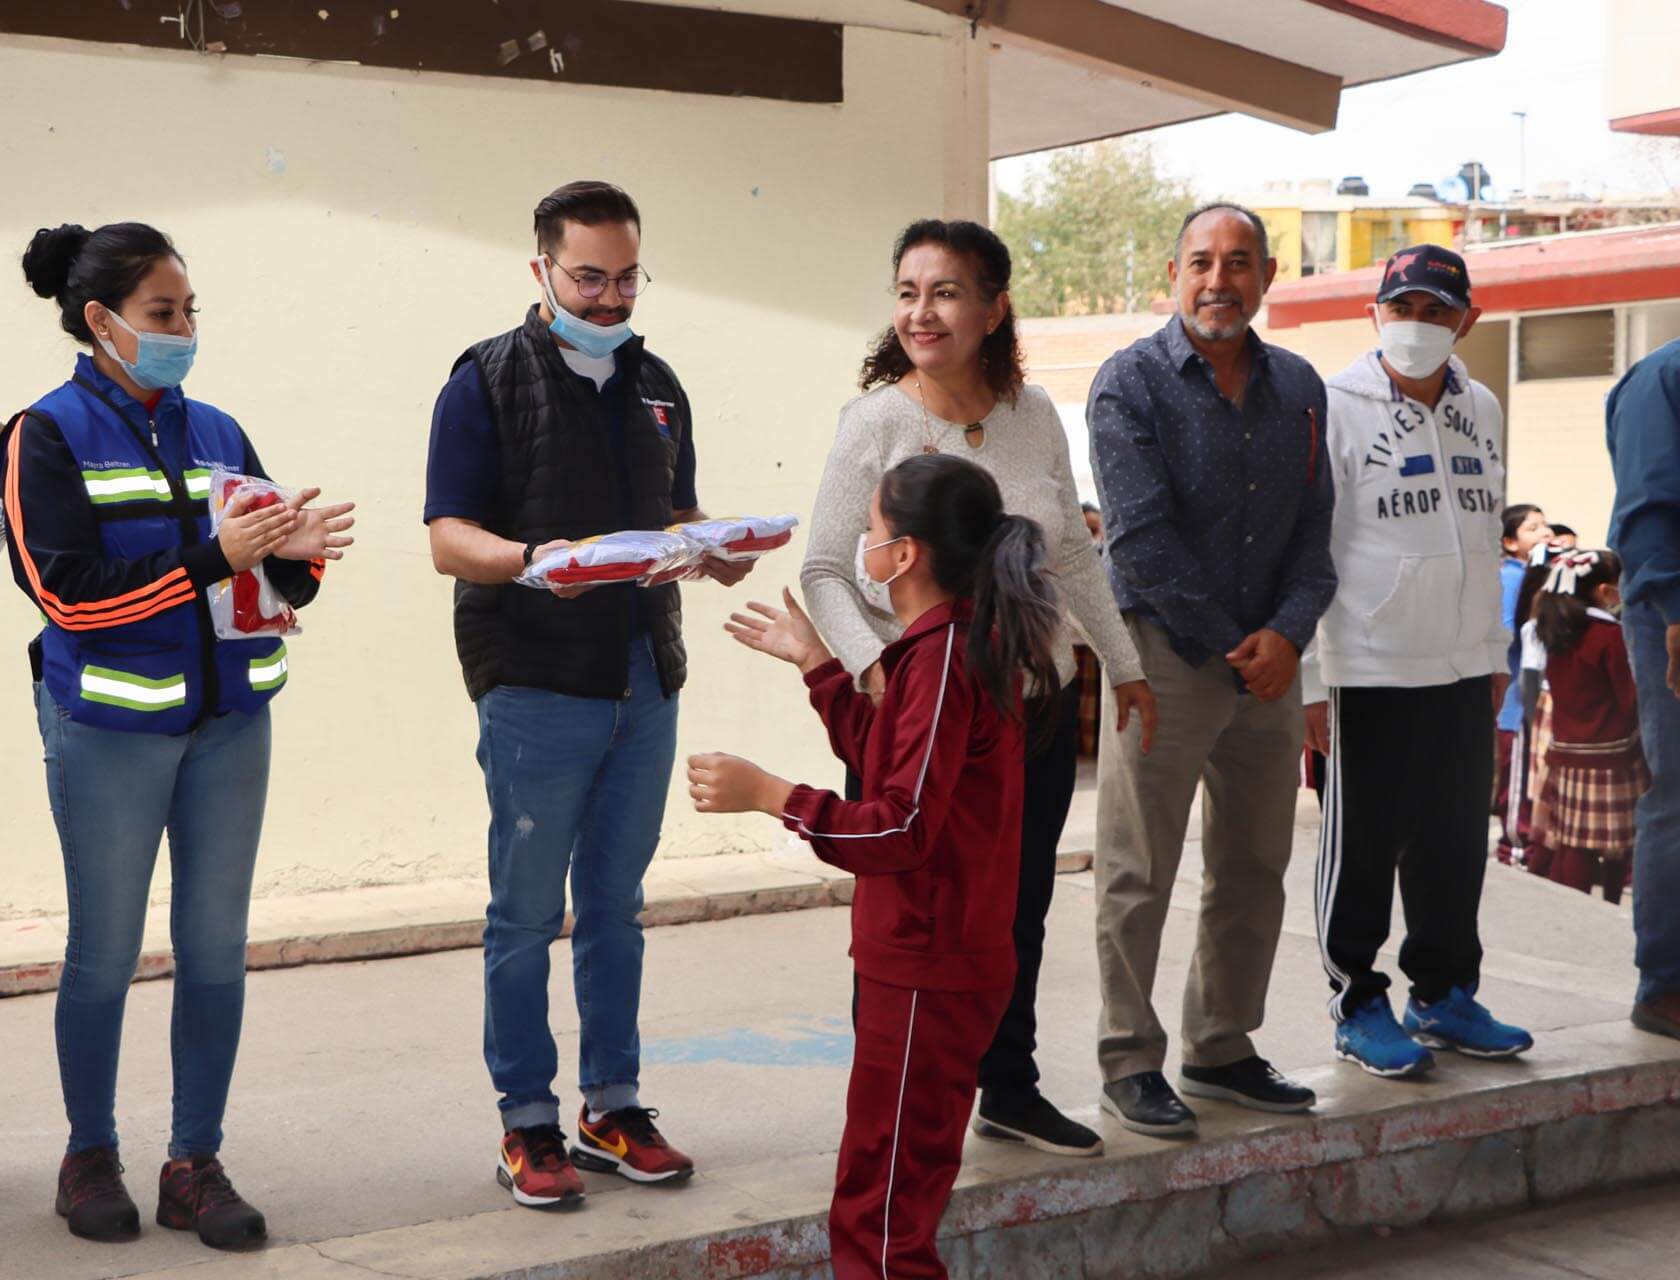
[[1407, 675]]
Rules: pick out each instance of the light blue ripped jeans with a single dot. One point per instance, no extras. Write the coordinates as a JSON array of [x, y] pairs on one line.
[[576, 787]]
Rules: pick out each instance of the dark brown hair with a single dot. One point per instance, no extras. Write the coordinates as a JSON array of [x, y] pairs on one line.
[[1254, 220], [74, 266], [590, 204], [1512, 519], [1561, 619], [1000, 353], [1534, 578], [955, 509]]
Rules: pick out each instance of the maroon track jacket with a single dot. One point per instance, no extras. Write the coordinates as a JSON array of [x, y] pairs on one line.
[[936, 840]]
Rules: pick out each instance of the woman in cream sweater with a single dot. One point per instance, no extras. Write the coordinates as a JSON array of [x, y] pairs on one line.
[[946, 377]]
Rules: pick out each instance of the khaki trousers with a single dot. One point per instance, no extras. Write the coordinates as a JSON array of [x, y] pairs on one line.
[[1246, 754]]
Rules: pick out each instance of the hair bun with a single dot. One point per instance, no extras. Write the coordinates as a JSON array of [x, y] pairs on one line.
[[51, 253]]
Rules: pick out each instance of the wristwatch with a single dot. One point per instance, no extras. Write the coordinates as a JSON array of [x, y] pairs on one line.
[[530, 550]]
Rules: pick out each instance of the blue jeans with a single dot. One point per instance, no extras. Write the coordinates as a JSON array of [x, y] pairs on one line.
[[114, 795], [1656, 852], [576, 787]]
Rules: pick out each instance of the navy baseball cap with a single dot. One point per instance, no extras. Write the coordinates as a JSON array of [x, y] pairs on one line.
[[1427, 268]]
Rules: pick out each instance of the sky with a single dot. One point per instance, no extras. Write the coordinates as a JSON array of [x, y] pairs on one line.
[[1422, 128]]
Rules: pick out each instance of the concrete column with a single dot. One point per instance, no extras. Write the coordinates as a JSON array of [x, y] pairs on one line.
[[967, 151]]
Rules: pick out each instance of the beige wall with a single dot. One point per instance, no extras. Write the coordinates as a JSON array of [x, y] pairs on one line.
[[349, 232], [1330, 347], [1556, 456], [1643, 72]]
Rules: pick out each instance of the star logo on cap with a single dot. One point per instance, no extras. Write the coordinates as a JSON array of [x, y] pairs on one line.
[[1401, 265]]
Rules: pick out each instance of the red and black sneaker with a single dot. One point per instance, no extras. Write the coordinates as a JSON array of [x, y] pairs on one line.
[[196, 1195], [93, 1199], [626, 1142], [534, 1167]]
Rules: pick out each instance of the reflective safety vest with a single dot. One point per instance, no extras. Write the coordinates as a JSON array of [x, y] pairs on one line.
[[162, 669]]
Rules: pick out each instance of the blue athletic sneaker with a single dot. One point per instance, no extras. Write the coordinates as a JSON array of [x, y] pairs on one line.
[[1372, 1038], [1457, 1022]]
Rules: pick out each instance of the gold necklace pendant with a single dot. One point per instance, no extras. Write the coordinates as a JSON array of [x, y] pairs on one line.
[[928, 445]]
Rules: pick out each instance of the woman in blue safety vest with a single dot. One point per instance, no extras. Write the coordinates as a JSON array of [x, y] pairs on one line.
[[150, 722]]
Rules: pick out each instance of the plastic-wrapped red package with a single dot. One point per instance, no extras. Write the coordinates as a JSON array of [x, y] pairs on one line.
[[635, 555], [246, 605], [739, 537]]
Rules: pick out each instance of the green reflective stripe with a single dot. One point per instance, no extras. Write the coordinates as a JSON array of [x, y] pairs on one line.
[[270, 672], [134, 484], [137, 693], [198, 482]]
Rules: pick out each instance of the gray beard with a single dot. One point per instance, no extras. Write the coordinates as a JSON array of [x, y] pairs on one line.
[[1210, 334]]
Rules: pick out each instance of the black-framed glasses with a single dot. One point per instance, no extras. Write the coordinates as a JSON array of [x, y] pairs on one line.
[[592, 284]]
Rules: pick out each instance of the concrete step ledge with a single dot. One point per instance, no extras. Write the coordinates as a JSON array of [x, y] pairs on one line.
[[1595, 1108], [379, 921]]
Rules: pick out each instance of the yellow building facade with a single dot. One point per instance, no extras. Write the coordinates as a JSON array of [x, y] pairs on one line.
[[1318, 235]]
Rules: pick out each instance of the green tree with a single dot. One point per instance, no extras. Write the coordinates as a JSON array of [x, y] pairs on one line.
[[1078, 221]]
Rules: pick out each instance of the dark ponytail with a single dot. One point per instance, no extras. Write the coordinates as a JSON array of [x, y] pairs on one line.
[[1016, 618], [1534, 580], [954, 509], [75, 266], [1560, 611]]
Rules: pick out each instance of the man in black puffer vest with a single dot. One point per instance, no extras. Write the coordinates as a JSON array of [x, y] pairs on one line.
[[561, 429]]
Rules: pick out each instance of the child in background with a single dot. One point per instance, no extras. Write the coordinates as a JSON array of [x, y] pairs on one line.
[[1532, 854], [1534, 734], [935, 842], [1596, 769], [1523, 528]]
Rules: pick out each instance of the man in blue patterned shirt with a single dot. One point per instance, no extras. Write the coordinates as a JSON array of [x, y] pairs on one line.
[[1644, 436], [1208, 449]]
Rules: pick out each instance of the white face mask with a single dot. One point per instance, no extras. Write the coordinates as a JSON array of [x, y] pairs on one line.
[[877, 595], [1414, 349]]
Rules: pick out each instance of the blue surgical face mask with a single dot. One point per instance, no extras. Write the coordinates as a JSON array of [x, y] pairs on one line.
[[597, 340], [161, 359]]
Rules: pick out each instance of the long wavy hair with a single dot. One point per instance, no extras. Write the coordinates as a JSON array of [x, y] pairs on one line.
[[988, 256]]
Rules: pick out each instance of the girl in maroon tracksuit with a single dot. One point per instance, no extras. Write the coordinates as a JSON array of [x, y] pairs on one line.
[[935, 841], [1596, 770]]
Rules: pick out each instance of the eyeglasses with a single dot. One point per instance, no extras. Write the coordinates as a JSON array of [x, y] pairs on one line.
[[592, 284]]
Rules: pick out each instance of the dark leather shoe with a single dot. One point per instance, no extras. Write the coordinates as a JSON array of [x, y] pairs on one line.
[[1660, 1016], [1146, 1103], [1252, 1082]]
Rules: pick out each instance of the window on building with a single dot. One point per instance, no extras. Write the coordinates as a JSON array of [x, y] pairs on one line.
[[1318, 243], [1581, 344], [1387, 239]]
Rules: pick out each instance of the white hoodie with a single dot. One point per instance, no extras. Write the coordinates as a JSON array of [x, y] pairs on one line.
[[1415, 537]]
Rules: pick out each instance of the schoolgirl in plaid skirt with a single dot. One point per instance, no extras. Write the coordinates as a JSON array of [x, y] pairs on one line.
[[1533, 854], [1595, 768]]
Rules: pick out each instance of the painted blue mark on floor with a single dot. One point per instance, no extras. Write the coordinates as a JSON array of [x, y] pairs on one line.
[[805, 1042]]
